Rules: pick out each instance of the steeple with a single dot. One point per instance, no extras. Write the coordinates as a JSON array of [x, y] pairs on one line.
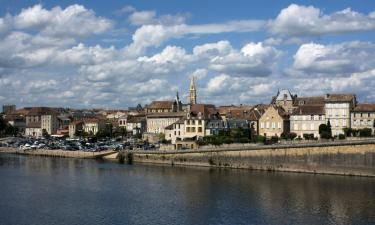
[[192, 92]]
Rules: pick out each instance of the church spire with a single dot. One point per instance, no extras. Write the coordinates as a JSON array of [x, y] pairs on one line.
[[192, 92]]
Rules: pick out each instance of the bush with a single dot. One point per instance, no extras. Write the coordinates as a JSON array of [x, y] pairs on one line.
[[365, 132], [341, 137], [308, 136], [261, 139]]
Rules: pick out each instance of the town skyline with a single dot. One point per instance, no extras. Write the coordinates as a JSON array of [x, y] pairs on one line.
[[116, 55]]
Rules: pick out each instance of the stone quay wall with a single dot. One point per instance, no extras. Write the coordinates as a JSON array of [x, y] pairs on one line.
[[345, 158]]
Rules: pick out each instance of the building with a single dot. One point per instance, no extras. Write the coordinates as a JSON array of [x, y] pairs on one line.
[[175, 131], [157, 122], [274, 121], [363, 116], [39, 118], [50, 123], [306, 119], [337, 111], [284, 99], [92, 126], [192, 92], [8, 109], [136, 124], [197, 118], [213, 127], [74, 127]]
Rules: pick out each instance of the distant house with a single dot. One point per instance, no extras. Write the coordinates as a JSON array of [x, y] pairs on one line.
[[39, 119], [92, 126], [197, 119]]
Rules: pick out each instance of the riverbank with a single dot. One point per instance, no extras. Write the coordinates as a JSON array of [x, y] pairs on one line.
[[56, 153], [354, 158], [345, 158]]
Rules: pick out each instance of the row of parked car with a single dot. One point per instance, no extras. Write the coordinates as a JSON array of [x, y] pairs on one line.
[[75, 144]]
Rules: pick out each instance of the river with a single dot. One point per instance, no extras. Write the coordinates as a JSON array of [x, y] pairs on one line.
[[40, 190]]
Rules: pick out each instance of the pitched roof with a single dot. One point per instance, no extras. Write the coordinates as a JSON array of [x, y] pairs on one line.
[[206, 110], [160, 105], [309, 110], [315, 100], [166, 115], [339, 97], [36, 111], [365, 107]]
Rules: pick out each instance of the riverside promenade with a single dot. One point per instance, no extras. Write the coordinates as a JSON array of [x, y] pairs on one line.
[[57, 153]]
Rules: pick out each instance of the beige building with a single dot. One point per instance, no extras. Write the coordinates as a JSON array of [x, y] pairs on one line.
[[92, 126], [74, 127], [35, 124], [306, 119], [274, 122], [197, 118], [50, 123], [363, 116], [156, 123], [337, 111]]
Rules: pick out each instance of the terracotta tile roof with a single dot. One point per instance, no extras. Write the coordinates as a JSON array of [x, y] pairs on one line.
[[207, 110], [76, 122], [309, 110], [36, 111], [365, 107], [135, 119], [160, 105], [166, 115]]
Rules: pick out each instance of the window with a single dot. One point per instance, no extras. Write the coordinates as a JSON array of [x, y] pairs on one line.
[[261, 125], [368, 115], [267, 125], [199, 122], [273, 125], [199, 129], [344, 123], [312, 117], [295, 126], [279, 125]]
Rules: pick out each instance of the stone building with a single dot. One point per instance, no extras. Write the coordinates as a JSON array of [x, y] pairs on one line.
[[197, 118], [306, 119], [92, 126], [74, 127], [157, 122], [175, 131], [274, 121], [337, 111], [363, 116], [8, 109], [39, 118]]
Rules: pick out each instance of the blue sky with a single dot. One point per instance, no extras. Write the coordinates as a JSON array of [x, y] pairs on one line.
[[116, 54]]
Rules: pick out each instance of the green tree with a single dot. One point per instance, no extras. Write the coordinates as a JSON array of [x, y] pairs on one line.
[[45, 133]]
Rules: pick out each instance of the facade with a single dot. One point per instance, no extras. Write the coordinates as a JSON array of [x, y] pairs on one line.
[[197, 118], [74, 127], [213, 127], [306, 119], [175, 131], [337, 111], [35, 124], [136, 125], [156, 123], [363, 116], [274, 122], [50, 123], [284, 99], [92, 126]]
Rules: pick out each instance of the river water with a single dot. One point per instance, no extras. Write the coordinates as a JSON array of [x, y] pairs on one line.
[[38, 190]]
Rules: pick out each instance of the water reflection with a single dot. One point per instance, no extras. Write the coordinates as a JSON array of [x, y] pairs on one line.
[[37, 190]]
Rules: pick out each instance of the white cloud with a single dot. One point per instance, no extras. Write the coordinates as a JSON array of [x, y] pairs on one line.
[[142, 17], [334, 60], [296, 20], [74, 21]]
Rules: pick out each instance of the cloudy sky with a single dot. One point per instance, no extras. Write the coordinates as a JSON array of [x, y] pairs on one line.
[[109, 54]]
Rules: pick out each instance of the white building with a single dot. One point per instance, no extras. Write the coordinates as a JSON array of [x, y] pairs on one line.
[[337, 111], [306, 119]]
